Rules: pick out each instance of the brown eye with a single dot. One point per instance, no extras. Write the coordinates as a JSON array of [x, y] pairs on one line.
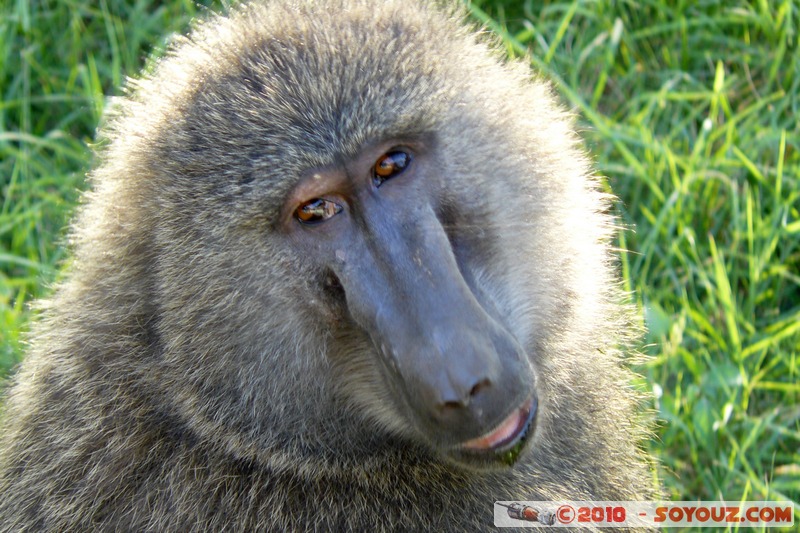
[[389, 165], [316, 211]]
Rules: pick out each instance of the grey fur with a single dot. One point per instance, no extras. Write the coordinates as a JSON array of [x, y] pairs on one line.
[[190, 372]]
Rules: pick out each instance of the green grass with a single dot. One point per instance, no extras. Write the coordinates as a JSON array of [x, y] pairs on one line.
[[690, 108]]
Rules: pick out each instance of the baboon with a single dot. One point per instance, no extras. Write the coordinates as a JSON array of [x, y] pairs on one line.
[[341, 267]]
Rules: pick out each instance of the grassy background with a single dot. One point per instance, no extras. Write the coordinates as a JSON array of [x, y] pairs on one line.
[[690, 108]]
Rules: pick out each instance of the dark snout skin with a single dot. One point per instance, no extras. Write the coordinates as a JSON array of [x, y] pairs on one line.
[[461, 373]]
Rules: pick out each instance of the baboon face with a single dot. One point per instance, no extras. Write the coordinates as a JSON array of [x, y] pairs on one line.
[[366, 221], [376, 223]]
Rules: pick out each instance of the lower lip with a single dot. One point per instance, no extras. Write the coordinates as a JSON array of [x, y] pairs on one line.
[[507, 433]]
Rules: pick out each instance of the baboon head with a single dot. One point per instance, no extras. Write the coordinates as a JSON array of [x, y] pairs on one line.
[[359, 230]]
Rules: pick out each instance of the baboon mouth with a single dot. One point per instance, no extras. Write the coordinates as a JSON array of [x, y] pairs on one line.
[[509, 434]]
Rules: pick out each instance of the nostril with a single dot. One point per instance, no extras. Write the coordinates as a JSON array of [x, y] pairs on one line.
[[482, 384], [448, 405]]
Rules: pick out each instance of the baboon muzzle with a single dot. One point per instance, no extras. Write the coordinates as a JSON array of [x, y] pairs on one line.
[[459, 376]]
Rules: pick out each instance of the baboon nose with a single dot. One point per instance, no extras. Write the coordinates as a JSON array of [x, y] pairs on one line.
[[465, 383], [457, 406], [459, 397]]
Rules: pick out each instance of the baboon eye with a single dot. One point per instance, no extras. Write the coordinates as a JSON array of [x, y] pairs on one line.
[[390, 165], [316, 211]]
